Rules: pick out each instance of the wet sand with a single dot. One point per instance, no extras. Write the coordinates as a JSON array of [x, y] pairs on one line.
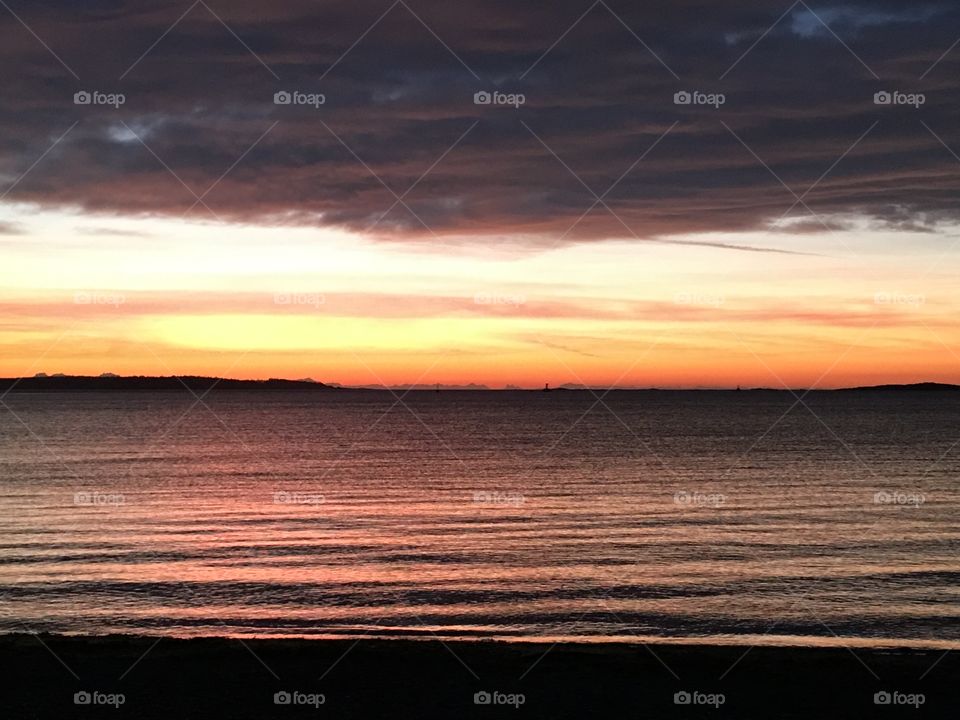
[[127, 677]]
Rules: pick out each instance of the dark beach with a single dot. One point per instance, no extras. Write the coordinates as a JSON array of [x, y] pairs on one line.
[[223, 678]]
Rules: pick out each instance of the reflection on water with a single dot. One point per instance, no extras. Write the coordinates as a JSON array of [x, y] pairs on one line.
[[677, 516]]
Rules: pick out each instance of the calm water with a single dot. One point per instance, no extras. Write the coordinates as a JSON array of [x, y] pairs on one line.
[[679, 516]]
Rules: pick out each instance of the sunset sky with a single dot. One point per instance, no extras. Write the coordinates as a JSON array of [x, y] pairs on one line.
[[799, 233]]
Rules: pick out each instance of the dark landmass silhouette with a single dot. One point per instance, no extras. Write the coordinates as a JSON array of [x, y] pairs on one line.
[[109, 382], [922, 387], [139, 383]]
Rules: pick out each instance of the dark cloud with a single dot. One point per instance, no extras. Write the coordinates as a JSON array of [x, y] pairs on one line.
[[799, 130]]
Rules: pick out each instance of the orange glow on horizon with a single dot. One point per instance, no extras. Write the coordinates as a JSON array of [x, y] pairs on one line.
[[297, 303]]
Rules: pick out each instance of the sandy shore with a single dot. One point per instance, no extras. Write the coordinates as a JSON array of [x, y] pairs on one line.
[[46, 676]]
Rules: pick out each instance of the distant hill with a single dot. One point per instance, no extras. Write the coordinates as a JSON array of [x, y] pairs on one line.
[[916, 387], [115, 383]]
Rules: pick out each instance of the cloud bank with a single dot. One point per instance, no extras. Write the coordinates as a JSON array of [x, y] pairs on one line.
[[602, 146]]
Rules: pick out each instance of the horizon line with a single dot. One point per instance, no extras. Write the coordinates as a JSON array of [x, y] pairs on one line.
[[470, 386]]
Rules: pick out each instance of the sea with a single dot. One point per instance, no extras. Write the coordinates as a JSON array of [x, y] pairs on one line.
[[754, 517]]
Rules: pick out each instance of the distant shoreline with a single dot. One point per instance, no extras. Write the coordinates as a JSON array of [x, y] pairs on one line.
[[428, 679], [143, 383]]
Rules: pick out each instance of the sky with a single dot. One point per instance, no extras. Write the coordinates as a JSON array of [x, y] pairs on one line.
[[683, 194]]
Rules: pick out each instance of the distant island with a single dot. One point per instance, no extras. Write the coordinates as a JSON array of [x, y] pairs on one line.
[[110, 382], [925, 387]]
